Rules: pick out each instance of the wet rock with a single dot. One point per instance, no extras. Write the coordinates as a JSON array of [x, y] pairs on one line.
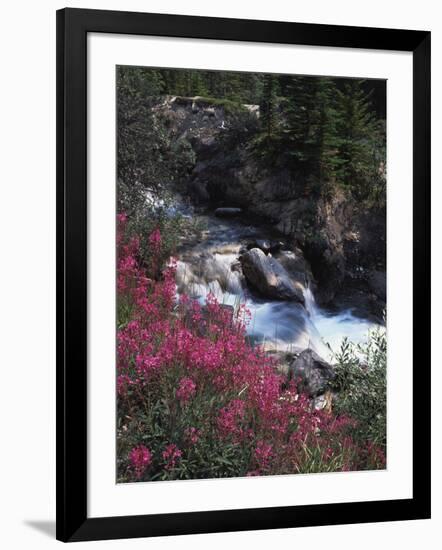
[[328, 265], [283, 360], [266, 245], [377, 281], [267, 276], [313, 373], [198, 190], [236, 267], [262, 244], [227, 212], [296, 266]]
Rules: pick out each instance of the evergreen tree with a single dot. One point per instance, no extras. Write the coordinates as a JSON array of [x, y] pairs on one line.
[[329, 129], [300, 115], [323, 133], [361, 145], [268, 106], [141, 81], [253, 87]]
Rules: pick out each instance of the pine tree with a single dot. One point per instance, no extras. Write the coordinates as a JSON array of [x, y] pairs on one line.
[[252, 84], [141, 81], [269, 105], [300, 114], [360, 141], [323, 138]]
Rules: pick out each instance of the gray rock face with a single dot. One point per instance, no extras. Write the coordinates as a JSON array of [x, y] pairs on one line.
[[377, 282], [199, 191], [312, 371], [227, 212], [267, 276]]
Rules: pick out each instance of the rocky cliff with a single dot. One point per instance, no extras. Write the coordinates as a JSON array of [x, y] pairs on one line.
[[343, 241]]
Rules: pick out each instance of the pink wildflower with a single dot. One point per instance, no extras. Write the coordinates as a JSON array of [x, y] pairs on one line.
[[263, 455], [140, 457], [170, 455], [230, 417], [193, 435], [122, 218], [208, 346], [123, 382], [155, 241], [186, 390]]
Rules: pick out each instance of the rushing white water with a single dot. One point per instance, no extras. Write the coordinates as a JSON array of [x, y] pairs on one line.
[[334, 327], [212, 267]]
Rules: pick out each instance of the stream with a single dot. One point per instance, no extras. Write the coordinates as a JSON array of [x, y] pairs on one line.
[[210, 264]]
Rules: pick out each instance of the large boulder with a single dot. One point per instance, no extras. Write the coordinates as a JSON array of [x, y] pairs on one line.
[[267, 276], [313, 373]]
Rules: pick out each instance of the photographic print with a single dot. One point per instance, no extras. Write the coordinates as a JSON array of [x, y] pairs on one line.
[[251, 274]]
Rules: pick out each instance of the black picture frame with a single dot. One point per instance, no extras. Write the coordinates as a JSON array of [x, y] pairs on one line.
[[73, 25]]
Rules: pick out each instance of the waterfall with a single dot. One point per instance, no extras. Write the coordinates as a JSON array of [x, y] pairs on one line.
[[310, 302], [211, 266]]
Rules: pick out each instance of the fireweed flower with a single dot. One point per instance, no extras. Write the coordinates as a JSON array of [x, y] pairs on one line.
[[186, 390], [140, 457], [121, 218], [155, 241], [263, 455], [123, 381], [210, 352], [230, 417], [377, 454], [192, 435], [170, 456]]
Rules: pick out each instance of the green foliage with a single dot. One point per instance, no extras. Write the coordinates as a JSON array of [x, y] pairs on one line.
[[147, 157], [329, 130], [197, 400], [269, 105], [166, 419], [361, 139], [173, 226], [232, 86], [300, 111], [361, 385]]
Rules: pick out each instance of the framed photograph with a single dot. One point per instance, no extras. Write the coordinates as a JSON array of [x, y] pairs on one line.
[[243, 274]]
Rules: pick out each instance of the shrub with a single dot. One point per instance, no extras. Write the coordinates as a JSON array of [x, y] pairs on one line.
[[361, 382], [159, 214]]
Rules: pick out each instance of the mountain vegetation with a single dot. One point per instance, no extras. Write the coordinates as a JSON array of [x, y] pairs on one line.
[[329, 128], [294, 168]]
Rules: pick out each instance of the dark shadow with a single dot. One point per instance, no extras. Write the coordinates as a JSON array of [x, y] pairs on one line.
[[47, 527]]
